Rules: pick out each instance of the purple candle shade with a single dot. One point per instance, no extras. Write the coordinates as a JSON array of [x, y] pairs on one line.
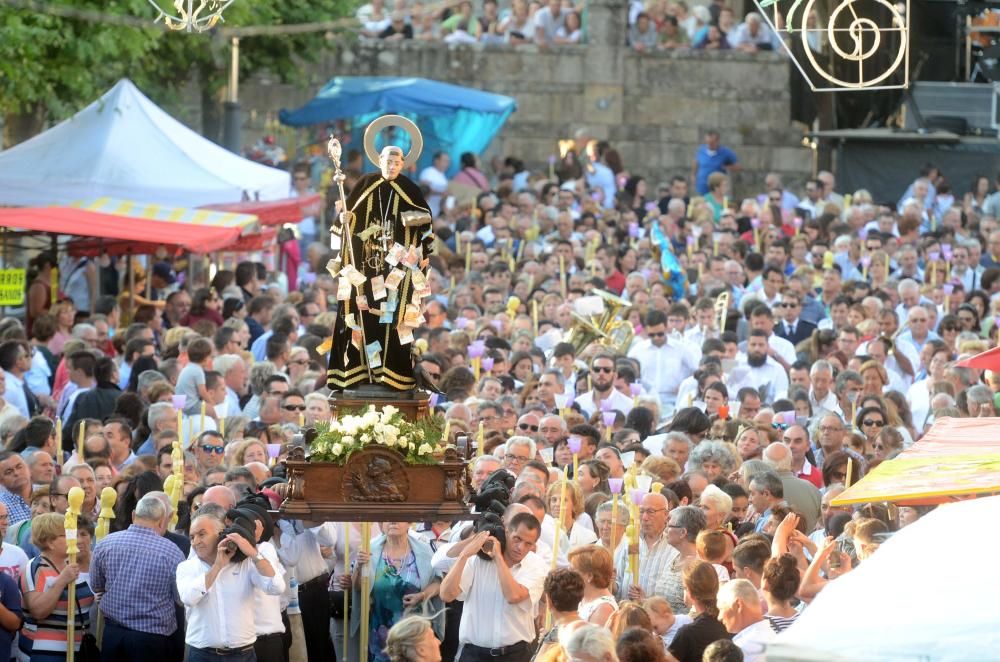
[[605, 404], [432, 401], [497, 324], [633, 230], [477, 349], [178, 401], [948, 288], [552, 159], [635, 388], [487, 363], [616, 485], [609, 418], [636, 495], [946, 251], [575, 443], [797, 221], [934, 255], [691, 240], [866, 261], [755, 223], [273, 450]]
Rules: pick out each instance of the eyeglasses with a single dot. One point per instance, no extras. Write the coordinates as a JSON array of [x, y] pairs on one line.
[[789, 304], [869, 421], [650, 511], [601, 368], [208, 448], [526, 426], [520, 459], [294, 407]]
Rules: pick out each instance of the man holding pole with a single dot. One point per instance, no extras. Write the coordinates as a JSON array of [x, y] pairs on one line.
[[500, 592], [136, 571]]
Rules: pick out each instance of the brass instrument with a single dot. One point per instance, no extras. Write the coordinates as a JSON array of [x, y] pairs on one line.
[[606, 329]]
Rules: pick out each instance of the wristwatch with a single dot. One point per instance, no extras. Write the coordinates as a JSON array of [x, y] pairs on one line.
[[258, 558]]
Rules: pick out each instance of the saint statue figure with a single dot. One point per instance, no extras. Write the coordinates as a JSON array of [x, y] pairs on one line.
[[386, 239]]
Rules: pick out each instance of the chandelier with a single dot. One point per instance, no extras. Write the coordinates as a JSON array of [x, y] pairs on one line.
[[193, 15]]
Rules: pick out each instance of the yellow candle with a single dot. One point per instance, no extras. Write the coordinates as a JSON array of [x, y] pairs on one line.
[[481, 445], [534, 314], [80, 440], [201, 426], [850, 465], [54, 286], [447, 431], [58, 457], [468, 258], [576, 465], [756, 237], [302, 419], [222, 426], [180, 423], [562, 275]]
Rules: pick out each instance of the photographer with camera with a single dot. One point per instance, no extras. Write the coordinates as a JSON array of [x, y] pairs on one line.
[[500, 584], [218, 587]]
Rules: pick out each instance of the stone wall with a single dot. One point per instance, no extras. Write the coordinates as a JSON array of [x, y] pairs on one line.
[[653, 107]]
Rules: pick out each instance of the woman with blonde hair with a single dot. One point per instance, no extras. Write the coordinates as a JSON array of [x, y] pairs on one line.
[[576, 523], [412, 639], [594, 563], [250, 450], [629, 614]]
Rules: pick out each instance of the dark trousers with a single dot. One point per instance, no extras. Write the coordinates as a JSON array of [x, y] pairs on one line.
[[270, 648], [452, 620], [522, 652], [121, 644], [207, 655], [314, 602]]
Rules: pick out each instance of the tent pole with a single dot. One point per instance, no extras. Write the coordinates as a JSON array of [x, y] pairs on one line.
[[131, 287]]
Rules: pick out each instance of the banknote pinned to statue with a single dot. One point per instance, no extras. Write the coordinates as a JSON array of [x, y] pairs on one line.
[[842, 44]]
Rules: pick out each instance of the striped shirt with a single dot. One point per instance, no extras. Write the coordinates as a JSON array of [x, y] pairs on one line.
[[654, 561], [136, 569], [45, 638]]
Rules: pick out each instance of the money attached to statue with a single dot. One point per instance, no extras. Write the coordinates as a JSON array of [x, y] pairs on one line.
[[381, 275]]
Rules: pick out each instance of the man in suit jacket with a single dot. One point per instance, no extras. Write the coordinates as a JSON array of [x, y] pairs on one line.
[[791, 327]]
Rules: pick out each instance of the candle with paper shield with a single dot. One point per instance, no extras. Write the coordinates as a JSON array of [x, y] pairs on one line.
[[608, 418], [636, 389], [755, 224], [948, 289], [643, 483], [690, 245], [575, 443], [75, 500], [632, 532], [797, 221], [615, 485], [487, 364], [946, 254], [933, 256], [273, 451], [476, 351]]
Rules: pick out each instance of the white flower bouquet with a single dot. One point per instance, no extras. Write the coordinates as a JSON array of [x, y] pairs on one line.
[[419, 442]]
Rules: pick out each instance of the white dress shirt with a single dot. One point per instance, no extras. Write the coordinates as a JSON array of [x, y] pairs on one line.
[[753, 640], [619, 401], [222, 615], [267, 607], [827, 404], [488, 620], [783, 347], [770, 375], [300, 548], [665, 367], [14, 394]]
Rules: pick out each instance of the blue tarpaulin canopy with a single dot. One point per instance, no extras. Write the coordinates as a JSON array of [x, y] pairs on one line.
[[451, 118]]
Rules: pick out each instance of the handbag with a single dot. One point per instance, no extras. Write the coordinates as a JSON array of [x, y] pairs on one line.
[[89, 650]]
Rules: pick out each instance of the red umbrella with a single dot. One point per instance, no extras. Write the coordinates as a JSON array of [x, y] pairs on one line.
[[988, 360]]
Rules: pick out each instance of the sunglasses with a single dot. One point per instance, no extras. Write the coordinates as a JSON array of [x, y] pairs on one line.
[[208, 448], [526, 426], [869, 421], [656, 335], [602, 369], [294, 407]]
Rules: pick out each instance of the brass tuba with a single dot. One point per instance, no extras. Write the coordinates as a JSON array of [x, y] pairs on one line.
[[722, 311], [605, 329]]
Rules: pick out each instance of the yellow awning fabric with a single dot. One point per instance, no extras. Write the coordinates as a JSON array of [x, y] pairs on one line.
[[219, 219], [958, 457]]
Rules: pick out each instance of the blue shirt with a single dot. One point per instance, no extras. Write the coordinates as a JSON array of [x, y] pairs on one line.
[[709, 162], [137, 570], [17, 508], [259, 346], [10, 596]]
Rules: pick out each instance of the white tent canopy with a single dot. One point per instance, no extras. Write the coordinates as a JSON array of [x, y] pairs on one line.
[[928, 593], [124, 146]]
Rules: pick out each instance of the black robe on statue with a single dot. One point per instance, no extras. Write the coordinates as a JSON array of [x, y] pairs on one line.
[[371, 199]]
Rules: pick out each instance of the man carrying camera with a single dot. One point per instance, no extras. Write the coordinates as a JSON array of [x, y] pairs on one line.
[[500, 586], [218, 586]]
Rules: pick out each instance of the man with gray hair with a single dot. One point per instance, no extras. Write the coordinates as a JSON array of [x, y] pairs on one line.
[[482, 469], [802, 496], [162, 417], [517, 453], [979, 401], [233, 369], [740, 611], [821, 397], [591, 642], [136, 570]]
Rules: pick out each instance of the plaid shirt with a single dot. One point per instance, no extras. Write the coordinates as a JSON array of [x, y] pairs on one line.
[[136, 569], [17, 508]]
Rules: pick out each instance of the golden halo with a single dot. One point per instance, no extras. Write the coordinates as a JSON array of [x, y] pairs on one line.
[[380, 123]]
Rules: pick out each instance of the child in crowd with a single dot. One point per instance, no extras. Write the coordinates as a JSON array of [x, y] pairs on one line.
[[665, 622], [714, 547]]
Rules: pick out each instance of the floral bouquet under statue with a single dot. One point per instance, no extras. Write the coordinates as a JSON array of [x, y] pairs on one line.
[[377, 465]]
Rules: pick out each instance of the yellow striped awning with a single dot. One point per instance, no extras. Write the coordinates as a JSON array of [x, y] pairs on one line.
[[153, 212]]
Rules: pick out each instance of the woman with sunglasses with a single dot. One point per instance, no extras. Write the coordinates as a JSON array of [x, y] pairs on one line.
[[870, 420]]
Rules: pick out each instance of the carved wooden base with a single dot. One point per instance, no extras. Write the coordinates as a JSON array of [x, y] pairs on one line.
[[375, 485]]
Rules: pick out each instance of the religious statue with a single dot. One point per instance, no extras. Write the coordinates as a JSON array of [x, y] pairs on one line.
[[386, 238]]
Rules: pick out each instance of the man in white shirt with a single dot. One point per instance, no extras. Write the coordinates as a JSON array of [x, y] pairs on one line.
[[434, 178], [300, 553], [784, 351], [764, 374], [500, 594], [664, 364], [821, 397], [218, 593], [740, 611], [15, 361], [602, 380]]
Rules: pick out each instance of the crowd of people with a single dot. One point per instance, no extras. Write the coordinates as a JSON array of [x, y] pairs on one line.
[[777, 349], [653, 25]]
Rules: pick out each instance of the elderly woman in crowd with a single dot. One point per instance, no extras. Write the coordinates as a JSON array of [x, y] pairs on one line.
[[45, 588], [400, 577], [683, 526], [577, 523], [412, 639], [607, 527], [713, 458]]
